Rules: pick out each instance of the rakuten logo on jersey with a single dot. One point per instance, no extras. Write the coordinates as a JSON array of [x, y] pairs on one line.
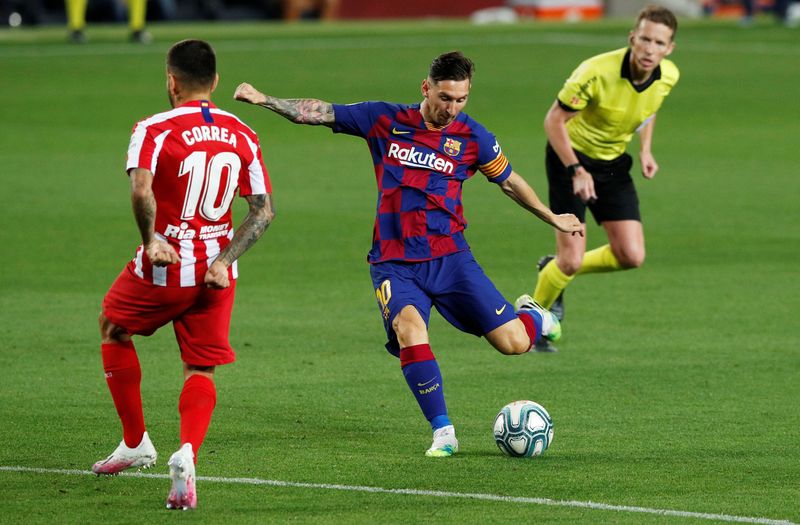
[[410, 156]]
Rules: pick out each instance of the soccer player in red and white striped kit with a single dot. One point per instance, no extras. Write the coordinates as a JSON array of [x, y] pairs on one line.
[[185, 166]]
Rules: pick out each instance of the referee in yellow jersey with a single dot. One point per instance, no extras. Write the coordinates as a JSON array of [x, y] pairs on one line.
[[605, 100]]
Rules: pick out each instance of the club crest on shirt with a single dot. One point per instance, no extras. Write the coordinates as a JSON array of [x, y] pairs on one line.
[[452, 147]]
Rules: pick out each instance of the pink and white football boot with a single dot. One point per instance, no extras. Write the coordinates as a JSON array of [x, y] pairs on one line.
[[124, 457], [183, 494]]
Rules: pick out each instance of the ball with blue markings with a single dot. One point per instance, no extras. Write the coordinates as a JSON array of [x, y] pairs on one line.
[[523, 429]]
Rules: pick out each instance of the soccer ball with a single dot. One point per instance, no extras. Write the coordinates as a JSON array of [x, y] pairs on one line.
[[523, 429]]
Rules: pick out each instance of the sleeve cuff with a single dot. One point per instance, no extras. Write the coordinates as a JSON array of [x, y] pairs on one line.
[[565, 107]]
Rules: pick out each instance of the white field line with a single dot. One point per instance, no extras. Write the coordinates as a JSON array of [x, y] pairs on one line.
[[389, 41], [429, 493]]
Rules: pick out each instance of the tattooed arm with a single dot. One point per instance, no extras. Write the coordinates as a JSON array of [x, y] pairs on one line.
[[298, 110], [258, 218], [143, 202]]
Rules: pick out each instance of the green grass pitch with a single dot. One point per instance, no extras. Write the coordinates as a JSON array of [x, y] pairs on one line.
[[677, 385]]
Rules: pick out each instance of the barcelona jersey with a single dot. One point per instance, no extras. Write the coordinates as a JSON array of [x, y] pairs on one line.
[[419, 171]]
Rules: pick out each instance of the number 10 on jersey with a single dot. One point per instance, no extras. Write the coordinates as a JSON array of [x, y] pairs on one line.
[[205, 181]]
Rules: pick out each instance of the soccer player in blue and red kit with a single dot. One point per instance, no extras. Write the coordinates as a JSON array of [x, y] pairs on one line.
[[185, 166], [422, 154]]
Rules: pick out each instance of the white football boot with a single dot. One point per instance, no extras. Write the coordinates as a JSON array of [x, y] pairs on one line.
[[183, 494], [551, 327], [124, 457], [444, 444]]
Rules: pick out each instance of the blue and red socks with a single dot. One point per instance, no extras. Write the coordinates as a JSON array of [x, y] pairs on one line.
[[532, 320], [425, 381], [124, 377]]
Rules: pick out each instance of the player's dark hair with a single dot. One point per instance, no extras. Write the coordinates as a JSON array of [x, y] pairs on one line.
[[658, 15], [451, 66], [193, 62]]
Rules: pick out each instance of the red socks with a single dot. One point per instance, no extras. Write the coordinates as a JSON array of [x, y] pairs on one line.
[[124, 377], [197, 402]]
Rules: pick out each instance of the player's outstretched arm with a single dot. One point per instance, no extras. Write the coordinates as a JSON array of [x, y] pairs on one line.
[[143, 202], [299, 110], [521, 192], [255, 223]]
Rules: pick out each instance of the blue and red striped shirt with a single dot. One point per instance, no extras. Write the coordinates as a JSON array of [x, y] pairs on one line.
[[419, 171]]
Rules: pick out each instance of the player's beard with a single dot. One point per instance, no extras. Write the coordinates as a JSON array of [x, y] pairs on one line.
[[442, 119], [439, 119]]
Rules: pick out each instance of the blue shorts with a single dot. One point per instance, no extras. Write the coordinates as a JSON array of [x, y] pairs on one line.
[[455, 284]]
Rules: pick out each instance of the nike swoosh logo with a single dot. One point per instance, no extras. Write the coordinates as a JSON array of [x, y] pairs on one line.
[[499, 311], [396, 131], [426, 382]]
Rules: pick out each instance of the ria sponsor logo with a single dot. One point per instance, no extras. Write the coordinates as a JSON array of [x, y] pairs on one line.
[[410, 156], [183, 232]]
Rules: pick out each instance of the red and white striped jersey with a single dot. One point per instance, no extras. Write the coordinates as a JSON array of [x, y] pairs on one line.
[[199, 156]]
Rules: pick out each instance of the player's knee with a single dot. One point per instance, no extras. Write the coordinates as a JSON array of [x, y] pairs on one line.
[[409, 327], [104, 324], [109, 332], [515, 342], [518, 346], [631, 258], [570, 264], [515, 347], [190, 370], [399, 325]]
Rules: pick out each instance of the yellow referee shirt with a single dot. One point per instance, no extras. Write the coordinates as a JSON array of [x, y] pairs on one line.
[[610, 107]]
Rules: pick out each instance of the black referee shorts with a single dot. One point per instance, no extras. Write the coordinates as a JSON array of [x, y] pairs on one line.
[[616, 195]]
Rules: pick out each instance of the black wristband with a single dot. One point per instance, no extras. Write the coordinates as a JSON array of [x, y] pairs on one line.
[[572, 168]]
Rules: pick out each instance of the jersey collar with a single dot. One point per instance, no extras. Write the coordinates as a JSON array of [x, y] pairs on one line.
[[205, 108], [198, 104], [626, 73], [430, 127]]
